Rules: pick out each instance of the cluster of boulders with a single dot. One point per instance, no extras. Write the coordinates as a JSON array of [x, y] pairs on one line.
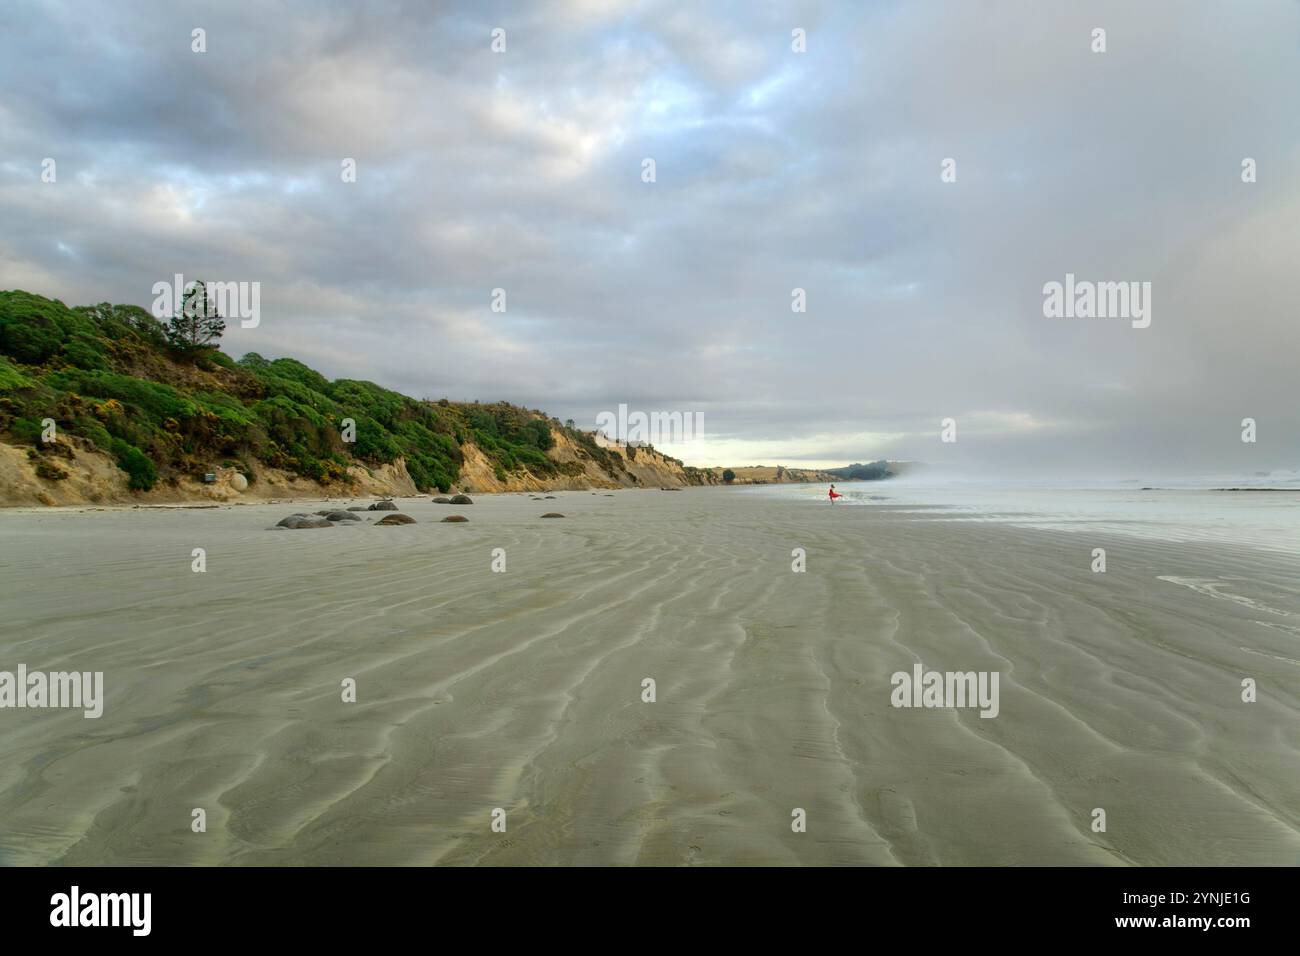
[[303, 521], [330, 517], [454, 500], [321, 519]]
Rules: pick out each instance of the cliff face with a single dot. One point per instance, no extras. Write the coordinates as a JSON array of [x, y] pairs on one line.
[[73, 471], [642, 468]]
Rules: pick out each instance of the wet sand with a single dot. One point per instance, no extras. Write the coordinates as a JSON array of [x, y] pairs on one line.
[[523, 690]]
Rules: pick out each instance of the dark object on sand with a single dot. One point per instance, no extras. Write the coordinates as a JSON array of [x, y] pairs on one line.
[[552, 514], [461, 500], [455, 518], [442, 500], [550, 497], [395, 519], [340, 516], [1236, 489], [383, 506], [295, 522], [358, 508]]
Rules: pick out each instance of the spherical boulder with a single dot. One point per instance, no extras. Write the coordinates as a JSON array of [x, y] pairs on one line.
[[341, 516], [552, 514], [238, 482], [455, 518], [383, 506], [461, 500], [395, 518]]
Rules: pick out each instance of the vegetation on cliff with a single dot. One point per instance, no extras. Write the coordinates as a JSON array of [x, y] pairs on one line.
[[114, 375]]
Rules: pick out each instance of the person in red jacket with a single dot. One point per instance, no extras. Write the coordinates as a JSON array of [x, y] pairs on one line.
[[835, 494]]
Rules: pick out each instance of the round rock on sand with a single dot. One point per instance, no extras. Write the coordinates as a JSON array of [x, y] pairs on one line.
[[341, 516], [441, 501], [295, 522], [461, 500], [455, 518], [358, 508], [383, 506], [395, 518], [238, 482], [552, 514]]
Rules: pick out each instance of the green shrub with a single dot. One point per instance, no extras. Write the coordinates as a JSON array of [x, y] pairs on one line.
[[11, 379], [143, 475], [30, 336], [26, 430], [96, 433], [85, 352]]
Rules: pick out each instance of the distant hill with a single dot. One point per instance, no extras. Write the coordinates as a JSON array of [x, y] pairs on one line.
[[872, 471], [120, 393], [769, 475]]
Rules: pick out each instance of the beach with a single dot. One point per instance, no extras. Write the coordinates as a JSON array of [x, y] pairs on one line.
[[523, 690]]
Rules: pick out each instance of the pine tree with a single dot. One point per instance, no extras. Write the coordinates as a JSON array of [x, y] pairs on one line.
[[197, 325]]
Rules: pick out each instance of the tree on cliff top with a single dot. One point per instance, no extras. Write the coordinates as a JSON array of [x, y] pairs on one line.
[[196, 325]]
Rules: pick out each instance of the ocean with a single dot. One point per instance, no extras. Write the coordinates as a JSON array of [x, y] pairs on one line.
[[1181, 510]]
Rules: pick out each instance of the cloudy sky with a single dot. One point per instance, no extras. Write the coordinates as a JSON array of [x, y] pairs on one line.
[[774, 170]]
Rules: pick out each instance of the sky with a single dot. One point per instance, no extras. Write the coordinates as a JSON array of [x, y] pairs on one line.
[[774, 170]]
